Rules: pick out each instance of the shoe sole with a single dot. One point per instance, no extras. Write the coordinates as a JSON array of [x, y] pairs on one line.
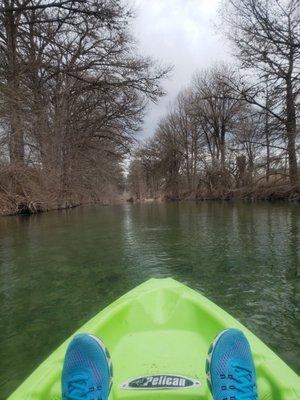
[[108, 357], [208, 359]]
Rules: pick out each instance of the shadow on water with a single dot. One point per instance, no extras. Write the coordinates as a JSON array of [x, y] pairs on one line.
[[58, 269]]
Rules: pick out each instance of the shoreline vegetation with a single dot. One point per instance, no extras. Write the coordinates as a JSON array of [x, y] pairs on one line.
[[271, 192], [17, 206], [74, 91], [250, 194]]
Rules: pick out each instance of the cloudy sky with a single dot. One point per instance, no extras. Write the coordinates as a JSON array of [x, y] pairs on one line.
[[181, 33]]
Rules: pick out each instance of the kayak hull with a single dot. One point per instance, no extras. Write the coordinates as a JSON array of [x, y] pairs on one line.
[[158, 336]]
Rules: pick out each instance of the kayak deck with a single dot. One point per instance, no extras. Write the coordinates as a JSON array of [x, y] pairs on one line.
[[163, 328]]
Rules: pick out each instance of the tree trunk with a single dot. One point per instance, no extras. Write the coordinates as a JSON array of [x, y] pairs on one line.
[[222, 147], [267, 133], [222, 153], [16, 140], [291, 130], [187, 161], [250, 167], [268, 154]]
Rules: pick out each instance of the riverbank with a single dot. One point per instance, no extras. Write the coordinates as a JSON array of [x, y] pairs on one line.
[[22, 205], [283, 192], [18, 205], [266, 192], [32, 190]]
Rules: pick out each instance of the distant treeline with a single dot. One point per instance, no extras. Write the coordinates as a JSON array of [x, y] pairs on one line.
[[235, 131], [72, 94]]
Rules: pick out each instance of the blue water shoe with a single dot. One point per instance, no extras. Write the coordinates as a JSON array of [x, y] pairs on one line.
[[87, 370], [230, 367]]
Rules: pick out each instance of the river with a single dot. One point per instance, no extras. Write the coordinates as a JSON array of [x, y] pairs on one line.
[[60, 268]]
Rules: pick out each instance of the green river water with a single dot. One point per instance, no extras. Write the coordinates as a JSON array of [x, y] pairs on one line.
[[59, 269]]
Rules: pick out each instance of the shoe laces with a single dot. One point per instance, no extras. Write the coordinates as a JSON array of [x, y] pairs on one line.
[[243, 383], [77, 389]]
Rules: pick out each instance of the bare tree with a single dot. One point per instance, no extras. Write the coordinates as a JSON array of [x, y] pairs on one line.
[[74, 92], [213, 144], [267, 38]]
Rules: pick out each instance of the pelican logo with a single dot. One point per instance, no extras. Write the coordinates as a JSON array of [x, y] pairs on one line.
[[160, 382]]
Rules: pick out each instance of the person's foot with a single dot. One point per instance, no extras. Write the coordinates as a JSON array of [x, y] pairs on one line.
[[87, 370], [230, 367]]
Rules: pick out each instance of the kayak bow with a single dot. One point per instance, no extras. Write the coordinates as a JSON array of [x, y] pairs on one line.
[[158, 335]]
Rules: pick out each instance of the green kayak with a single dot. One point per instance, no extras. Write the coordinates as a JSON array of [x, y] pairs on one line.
[[158, 335]]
